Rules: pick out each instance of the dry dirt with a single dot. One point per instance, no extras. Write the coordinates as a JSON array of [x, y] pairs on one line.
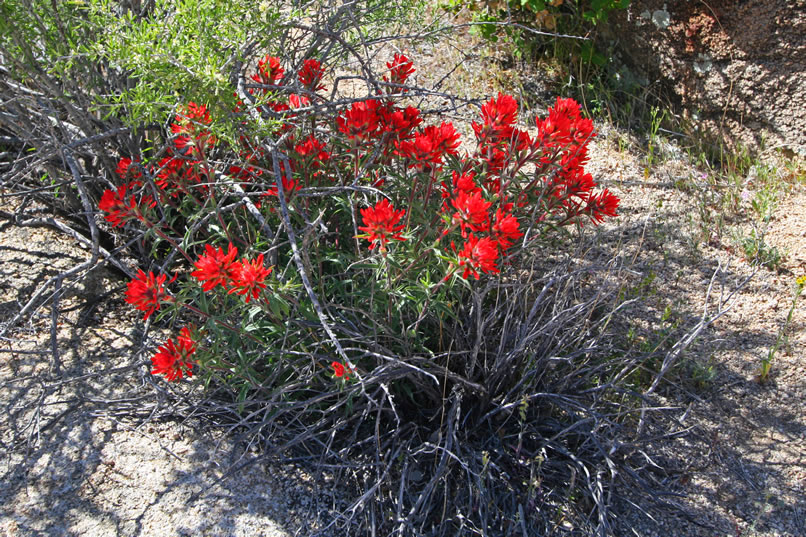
[[72, 466], [736, 67], [741, 470]]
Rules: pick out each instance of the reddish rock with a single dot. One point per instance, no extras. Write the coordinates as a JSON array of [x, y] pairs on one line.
[[737, 68]]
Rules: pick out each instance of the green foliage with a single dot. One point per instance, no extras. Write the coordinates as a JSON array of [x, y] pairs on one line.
[[179, 51], [766, 363], [756, 249]]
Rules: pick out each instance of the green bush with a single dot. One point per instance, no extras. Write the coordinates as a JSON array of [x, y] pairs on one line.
[[348, 285]]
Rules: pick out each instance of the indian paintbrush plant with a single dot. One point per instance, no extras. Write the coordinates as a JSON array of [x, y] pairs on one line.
[[358, 261], [387, 200]]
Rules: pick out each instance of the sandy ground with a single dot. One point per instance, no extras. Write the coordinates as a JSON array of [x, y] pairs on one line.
[[79, 453]]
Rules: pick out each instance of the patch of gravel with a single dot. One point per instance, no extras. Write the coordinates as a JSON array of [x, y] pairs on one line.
[[741, 469], [79, 455]]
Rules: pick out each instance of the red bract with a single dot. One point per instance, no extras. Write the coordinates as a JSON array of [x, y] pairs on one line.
[[249, 277], [189, 119], [478, 254], [430, 145], [400, 122], [381, 224], [465, 182], [564, 126], [471, 211], [269, 71], [298, 101], [145, 292], [126, 171], [578, 183], [600, 205], [122, 205], [506, 229], [340, 371], [311, 147], [311, 75], [289, 187], [400, 68], [361, 121], [215, 267], [169, 173], [189, 128], [174, 359], [498, 115]]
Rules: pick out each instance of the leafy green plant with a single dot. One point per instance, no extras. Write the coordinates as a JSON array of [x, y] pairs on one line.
[[335, 257], [766, 362], [756, 250], [657, 116]]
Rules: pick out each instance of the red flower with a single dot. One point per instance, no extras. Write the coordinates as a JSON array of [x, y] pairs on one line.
[[471, 211], [311, 147], [564, 126], [478, 254], [174, 359], [381, 224], [189, 118], [127, 171], [601, 205], [578, 183], [506, 229], [430, 145], [122, 205], [400, 68], [360, 121], [498, 115], [146, 292], [340, 371], [400, 122], [215, 267], [289, 187], [188, 127], [298, 101], [269, 71], [465, 182], [169, 175], [311, 75], [248, 277]]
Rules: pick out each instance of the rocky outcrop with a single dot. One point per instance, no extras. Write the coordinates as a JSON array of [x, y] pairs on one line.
[[736, 67]]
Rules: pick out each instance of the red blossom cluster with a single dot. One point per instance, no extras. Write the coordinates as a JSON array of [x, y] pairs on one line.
[[489, 211], [475, 217], [125, 204], [173, 359], [146, 292], [243, 277], [269, 71], [381, 224], [400, 69], [340, 370], [190, 128], [310, 76], [183, 170]]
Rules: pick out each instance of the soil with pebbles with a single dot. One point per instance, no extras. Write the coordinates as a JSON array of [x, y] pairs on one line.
[[741, 468], [79, 458], [70, 466]]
